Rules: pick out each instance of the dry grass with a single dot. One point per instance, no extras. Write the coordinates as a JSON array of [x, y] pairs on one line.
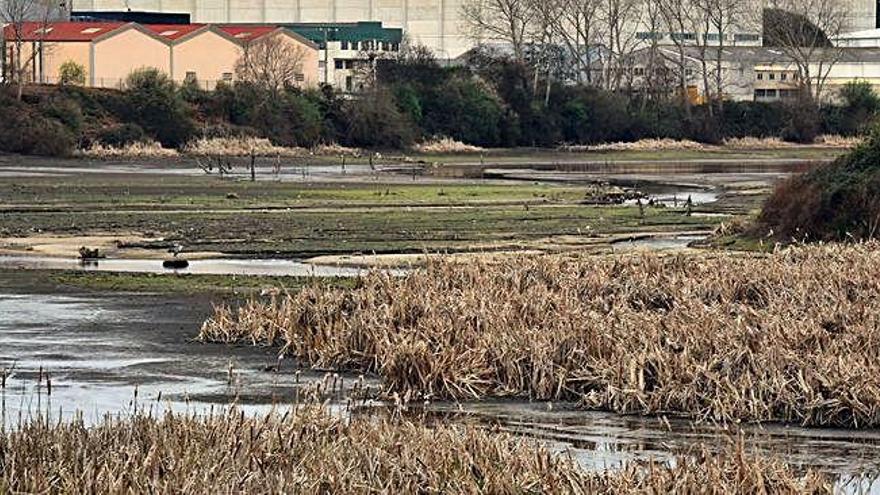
[[240, 146], [334, 149], [246, 145], [133, 150], [825, 141], [744, 143], [641, 145], [309, 451], [444, 145], [792, 337]]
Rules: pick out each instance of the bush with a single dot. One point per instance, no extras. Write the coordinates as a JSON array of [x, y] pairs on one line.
[[802, 121], [289, 118], [23, 130], [151, 100], [839, 201], [64, 110], [461, 108], [121, 135], [858, 111], [71, 73], [375, 121]]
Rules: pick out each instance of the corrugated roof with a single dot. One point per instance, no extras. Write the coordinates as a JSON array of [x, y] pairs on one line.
[[63, 31], [346, 31], [246, 32], [173, 31]]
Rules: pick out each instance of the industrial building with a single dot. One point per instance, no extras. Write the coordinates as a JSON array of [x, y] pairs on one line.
[[436, 23], [766, 74], [110, 51]]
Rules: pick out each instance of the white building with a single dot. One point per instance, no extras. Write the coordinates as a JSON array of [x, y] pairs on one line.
[[438, 24]]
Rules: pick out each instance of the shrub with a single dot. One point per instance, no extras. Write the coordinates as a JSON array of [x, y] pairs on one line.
[[802, 121], [838, 201], [287, 118], [858, 111], [375, 121], [23, 130], [71, 73], [65, 110], [121, 135], [151, 100]]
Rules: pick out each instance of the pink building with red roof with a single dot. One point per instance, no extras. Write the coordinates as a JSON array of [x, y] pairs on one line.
[[110, 51]]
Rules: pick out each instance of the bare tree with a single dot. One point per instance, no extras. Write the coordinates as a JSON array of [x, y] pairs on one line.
[[719, 19], [802, 30], [20, 14], [505, 21], [678, 18], [271, 62], [575, 24], [618, 18], [655, 77]]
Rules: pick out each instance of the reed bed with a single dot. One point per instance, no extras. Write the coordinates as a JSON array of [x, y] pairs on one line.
[[150, 149], [446, 145], [310, 451], [240, 146], [793, 336]]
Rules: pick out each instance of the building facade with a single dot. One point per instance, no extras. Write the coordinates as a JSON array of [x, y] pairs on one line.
[[766, 74], [438, 24], [110, 51]]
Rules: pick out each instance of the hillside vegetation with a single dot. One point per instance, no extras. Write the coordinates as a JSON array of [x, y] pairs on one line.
[[489, 103], [838, 201]]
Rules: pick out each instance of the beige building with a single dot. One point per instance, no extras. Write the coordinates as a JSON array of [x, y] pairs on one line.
[[109, 52]]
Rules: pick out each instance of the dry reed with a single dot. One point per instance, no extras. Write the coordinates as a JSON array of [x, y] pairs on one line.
[[310, 451], [793, 336], [446, 145], [240, 146], [151, 149]]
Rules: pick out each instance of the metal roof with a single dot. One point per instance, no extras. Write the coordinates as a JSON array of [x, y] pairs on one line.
[[62, 31], [346, 31]]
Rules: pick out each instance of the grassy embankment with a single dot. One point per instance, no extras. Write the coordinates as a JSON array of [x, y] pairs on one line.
[[789, 337], [309, 451]]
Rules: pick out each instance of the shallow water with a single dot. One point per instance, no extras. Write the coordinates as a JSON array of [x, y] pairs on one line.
[[103, 352], [218, 266], [602, 440], [656, 243]]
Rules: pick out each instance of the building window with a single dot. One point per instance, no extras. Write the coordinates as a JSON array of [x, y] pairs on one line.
[[772, 76], [760, 76], [345, 45], [349, 83], [190, 77], [783, 76], [760, 93], [227, 76], [299, 77], [746, 37], [340, 64]]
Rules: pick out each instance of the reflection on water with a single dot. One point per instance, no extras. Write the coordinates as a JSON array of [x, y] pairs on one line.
[[656, 243], [277, 267], [102, 353], [600, 440]]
